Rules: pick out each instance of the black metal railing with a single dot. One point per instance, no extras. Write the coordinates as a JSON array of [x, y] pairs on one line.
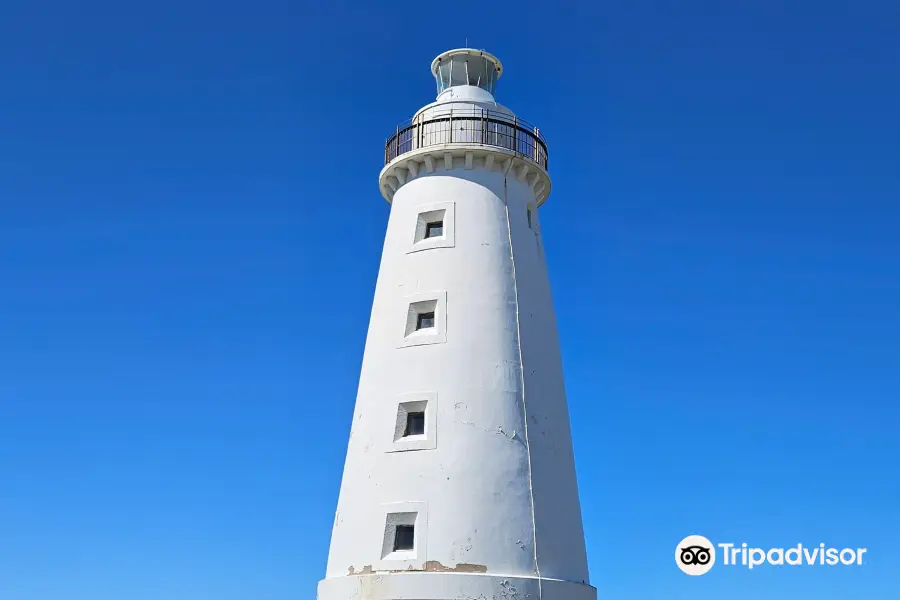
[[482, 127]]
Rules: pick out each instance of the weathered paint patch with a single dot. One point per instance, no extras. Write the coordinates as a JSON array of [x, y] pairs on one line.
[[436, 566], [366, 570], [507, 590], [432, 566]]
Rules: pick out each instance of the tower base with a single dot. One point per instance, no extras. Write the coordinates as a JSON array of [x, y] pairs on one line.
[[450, 586]]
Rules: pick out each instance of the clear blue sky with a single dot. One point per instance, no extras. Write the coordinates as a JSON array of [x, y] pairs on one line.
[[190, 229]]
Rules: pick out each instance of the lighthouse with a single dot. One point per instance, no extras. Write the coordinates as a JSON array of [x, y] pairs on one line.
[[459, 480]]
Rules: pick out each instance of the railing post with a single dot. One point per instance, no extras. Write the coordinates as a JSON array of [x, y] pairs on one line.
[[515, 147], [450, 122]]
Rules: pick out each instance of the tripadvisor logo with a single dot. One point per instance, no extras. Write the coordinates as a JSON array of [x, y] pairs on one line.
[[696, 555]]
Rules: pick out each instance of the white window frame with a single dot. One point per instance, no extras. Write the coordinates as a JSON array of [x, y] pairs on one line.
[[395, 422], [403, 513], [415, 305], [443, 211]]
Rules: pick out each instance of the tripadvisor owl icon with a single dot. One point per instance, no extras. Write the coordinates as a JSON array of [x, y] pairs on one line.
[[695, 555]]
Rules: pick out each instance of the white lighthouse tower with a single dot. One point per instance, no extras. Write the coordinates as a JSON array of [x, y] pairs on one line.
[[459, 480]]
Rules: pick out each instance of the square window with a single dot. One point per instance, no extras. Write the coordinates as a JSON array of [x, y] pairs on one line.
[[425, 320], [404, 537], [415, 424], [434, 229], [405, 534]]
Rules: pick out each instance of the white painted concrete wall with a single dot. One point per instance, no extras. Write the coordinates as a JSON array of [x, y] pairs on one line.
[[492, 485]]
